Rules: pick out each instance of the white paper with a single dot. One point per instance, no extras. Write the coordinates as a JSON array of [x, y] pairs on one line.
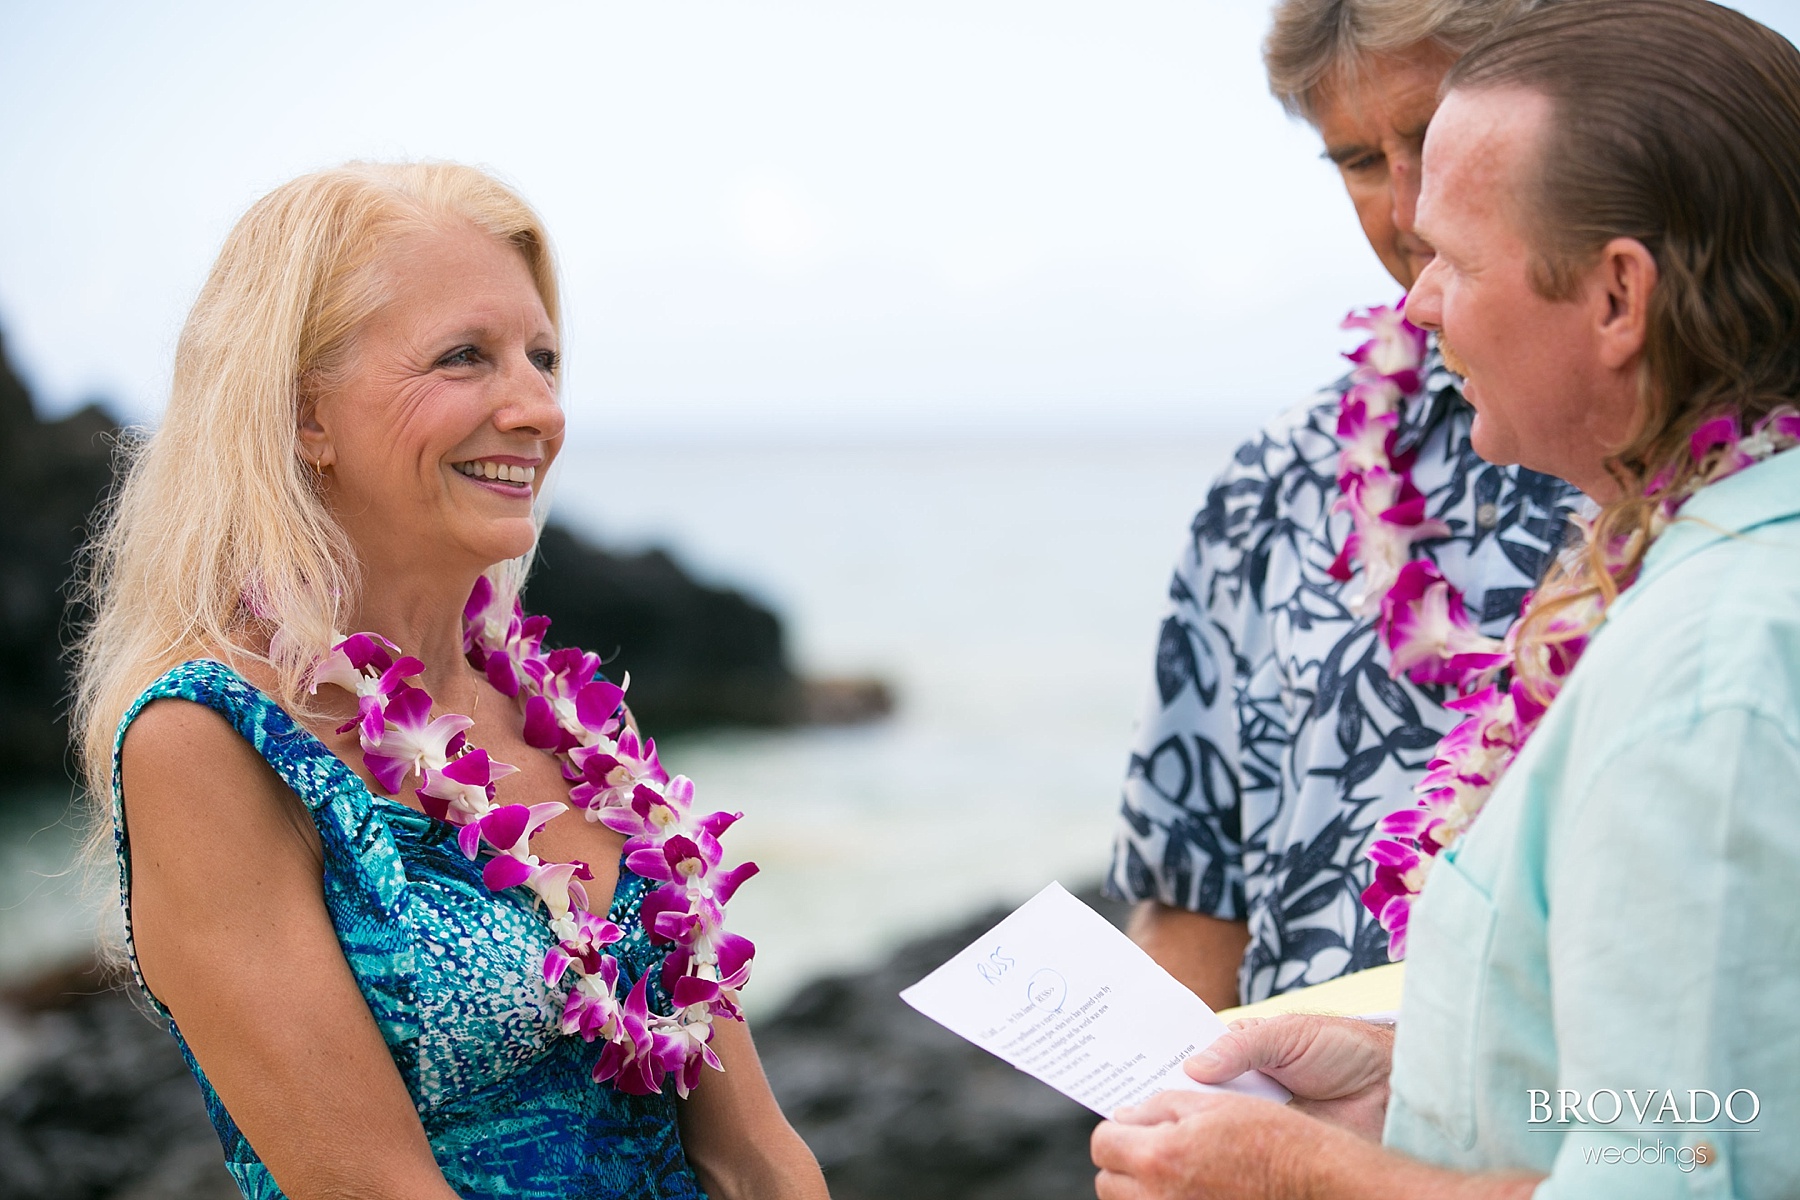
[[1060, 994]]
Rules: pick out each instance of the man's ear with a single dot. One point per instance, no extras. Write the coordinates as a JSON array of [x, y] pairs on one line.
[[1625, 277]]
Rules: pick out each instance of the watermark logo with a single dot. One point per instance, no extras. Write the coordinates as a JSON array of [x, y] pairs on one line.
[[1605, 1107], [1682, 1158], [1653, 1111]]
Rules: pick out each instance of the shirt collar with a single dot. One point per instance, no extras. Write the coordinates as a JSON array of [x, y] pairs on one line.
[[1755, 496]]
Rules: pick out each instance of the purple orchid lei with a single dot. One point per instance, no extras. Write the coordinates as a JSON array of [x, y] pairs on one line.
[[1422, 620], [615, 779]]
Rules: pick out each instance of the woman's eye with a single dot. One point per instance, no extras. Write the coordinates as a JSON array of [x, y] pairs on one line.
[[460, 357], [547, 360]]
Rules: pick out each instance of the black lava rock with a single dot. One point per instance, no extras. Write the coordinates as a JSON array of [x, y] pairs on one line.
[[52, 474], [108, 1111], [898, 1108], [700, 656]]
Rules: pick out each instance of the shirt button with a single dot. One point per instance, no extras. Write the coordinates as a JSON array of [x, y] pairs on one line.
[[1487, 516]]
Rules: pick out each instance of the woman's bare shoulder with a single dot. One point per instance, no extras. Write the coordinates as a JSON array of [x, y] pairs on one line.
[[183, 760]]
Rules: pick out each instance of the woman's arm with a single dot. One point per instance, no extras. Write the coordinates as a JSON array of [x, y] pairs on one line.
[[737, 1141], [232, 935]]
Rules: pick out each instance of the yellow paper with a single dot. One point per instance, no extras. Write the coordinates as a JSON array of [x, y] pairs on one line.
[[1366, 993]]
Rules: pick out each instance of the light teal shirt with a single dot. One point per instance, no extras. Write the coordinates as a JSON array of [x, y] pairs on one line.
[[1625, 915]]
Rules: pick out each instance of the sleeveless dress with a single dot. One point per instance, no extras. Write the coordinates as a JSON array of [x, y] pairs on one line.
[[453, 975]]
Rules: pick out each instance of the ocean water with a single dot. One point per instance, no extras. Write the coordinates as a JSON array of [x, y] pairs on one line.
[[1009, 593]]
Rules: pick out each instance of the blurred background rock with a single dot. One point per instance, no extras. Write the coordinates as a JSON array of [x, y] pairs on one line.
[[97, 1104], [702, 656], [95, 1100]]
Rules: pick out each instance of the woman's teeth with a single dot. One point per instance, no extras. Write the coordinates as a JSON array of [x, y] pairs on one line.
[[503, 472]]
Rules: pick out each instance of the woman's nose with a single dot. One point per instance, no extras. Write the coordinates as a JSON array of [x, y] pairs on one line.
[[530, 405]]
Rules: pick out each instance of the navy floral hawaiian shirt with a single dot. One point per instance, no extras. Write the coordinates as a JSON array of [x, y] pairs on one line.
[[1273, 739]]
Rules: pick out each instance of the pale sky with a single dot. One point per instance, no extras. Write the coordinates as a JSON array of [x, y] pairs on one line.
[[826, 216]]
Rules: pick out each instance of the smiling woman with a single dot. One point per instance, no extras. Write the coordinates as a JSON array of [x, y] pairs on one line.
[[378, 984]]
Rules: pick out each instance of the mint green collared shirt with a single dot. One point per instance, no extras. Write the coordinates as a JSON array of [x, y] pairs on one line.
[[1625, 915]]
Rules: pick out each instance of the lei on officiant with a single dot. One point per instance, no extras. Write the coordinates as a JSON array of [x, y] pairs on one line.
[[1503, 687]]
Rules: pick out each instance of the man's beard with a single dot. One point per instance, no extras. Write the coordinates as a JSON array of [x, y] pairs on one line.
[[1452, 359]]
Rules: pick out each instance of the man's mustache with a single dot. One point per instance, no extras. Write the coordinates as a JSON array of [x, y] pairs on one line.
[[1452, 359]]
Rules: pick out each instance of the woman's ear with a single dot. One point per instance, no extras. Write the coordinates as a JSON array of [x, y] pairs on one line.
[[1626, 276], [315, 442]]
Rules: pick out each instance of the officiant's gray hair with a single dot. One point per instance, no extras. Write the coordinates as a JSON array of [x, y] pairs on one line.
[[1316, 44]]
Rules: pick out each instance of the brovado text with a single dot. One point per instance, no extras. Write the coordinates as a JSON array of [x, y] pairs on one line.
[[1656, 1107]]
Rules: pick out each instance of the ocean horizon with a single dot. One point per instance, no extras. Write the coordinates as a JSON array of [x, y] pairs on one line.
[[1008, 591]]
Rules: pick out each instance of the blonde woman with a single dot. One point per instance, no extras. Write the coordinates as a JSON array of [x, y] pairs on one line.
[[364, 408]]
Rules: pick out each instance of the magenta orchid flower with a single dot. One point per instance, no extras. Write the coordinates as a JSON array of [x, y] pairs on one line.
[[628, 1059], [652, 813], [592, 1009], [411, 741], [372, 669], [617, 778], [610, 775], [1395, 349], [582, 936], [1429, 635], [463, 790]]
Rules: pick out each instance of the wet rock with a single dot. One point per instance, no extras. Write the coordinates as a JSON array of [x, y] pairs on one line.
[[107, 1110], [700, 655], [896, 1107], [52, 473]]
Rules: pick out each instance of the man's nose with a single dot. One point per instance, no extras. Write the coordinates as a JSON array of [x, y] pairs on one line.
[[1425, 302]]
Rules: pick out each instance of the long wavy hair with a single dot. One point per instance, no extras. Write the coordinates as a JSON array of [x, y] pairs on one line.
[[217, 538], [1677, 123]]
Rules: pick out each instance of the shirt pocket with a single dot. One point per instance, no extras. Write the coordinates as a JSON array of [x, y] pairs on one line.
[[1448, 941]]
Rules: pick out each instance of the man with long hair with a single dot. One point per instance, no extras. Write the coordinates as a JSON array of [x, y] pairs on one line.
[[1603, 975]]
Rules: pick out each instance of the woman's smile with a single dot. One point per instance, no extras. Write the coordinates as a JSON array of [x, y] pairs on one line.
[[503, 475]]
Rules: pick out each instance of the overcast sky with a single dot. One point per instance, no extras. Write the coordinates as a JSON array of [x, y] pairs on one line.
[[830, 216]]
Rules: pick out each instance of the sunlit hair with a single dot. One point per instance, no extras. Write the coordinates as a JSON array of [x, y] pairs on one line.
[[1676, 123], [217, 538], [1314, 46]]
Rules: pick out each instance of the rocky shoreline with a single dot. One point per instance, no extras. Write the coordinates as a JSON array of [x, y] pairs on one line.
[[96, 1103], [701, 656]]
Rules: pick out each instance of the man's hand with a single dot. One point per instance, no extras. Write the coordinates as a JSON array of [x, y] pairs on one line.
[[1336, 1067], [1220, 1146], [1184, 1145]]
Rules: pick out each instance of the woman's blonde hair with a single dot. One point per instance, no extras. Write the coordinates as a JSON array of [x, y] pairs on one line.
[[217, 538]]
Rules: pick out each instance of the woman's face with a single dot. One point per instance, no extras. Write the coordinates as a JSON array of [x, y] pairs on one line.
[[437, 440]]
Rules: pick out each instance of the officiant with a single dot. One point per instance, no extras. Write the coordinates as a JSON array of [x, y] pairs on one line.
[[1279, 727], [1604, 867]]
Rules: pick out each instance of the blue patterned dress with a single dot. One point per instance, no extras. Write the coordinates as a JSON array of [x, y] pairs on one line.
[[453, 975]]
